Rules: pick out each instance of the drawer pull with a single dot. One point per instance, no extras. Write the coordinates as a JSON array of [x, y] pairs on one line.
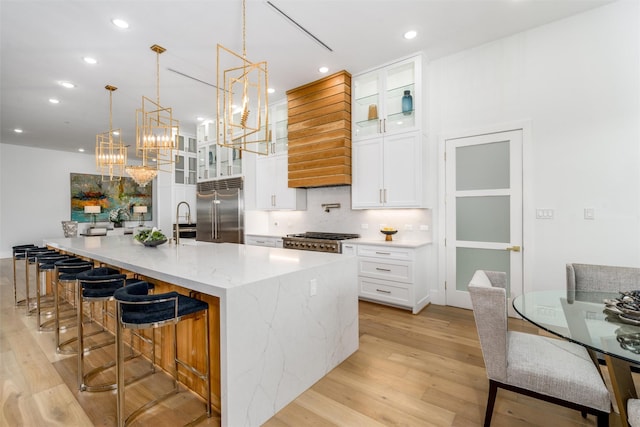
[[383, 291], [382, 269], [383, 253]]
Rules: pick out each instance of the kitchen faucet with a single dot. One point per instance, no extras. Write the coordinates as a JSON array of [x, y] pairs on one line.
[[177, 230]]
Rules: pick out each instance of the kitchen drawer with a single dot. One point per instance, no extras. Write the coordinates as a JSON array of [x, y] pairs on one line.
[[383, 291], [272, 242], [385, 252], [387, 270]]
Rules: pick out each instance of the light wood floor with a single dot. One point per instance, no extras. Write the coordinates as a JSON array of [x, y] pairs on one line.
[[422, 370]]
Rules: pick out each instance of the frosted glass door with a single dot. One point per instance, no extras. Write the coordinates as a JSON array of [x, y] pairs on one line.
[[484, 211]]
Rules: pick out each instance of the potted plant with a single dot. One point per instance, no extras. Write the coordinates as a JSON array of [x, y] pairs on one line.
[[117, 216]]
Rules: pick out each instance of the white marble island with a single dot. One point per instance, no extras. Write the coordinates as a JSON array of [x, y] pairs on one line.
[[287, 317]]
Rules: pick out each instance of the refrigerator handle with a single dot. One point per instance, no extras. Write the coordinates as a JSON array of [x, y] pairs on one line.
[[213, 220]]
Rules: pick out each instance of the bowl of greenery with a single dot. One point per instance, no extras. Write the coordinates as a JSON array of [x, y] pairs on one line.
[[151, 237]]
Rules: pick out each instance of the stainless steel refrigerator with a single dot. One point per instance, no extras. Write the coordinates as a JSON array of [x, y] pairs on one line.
[[220, 210]]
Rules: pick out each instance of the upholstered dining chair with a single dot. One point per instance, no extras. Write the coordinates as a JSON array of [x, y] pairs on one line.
[[549, 369]]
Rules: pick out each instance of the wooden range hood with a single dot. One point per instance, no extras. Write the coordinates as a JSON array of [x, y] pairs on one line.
[[319, 131]]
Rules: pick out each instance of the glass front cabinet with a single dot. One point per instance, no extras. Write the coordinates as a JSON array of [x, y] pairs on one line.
[[387, 101], [387, 141], [184, 171], [215, 161]]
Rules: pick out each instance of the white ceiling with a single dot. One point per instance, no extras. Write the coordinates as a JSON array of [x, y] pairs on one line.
[[43, 42]]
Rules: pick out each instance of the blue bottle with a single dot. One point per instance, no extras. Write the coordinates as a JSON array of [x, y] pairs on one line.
[[407, 103]]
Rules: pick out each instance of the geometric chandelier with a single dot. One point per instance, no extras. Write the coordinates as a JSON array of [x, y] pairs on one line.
[[156, 129], [111, 153], [156, 134], [242, 99]]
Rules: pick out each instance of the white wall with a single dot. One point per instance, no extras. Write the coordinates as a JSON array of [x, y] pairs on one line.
[[577, 83], [35, 193]]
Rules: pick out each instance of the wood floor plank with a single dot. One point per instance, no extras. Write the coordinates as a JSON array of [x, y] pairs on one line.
[[410, 370]]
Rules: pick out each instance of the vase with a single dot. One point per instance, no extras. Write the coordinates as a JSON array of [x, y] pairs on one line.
[[407, 103]]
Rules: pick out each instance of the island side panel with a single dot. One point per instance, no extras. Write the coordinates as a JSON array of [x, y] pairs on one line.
[[280, 339]]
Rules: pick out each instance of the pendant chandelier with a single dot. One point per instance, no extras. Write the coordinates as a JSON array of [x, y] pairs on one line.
[[242, 99], [156, 134], [156, 129], [111, 153]]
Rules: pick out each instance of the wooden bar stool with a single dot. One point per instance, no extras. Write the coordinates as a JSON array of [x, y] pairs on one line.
[[66, 272], [136, 309], [97, 286], [19, 252]]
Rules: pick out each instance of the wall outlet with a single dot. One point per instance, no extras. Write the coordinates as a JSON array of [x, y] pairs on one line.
[[408, 227], [589, 213], [424, 227], [544, 213], [364, 226], [313, 287]]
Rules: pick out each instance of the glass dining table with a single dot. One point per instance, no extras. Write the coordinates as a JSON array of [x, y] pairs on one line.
[[581, 317]]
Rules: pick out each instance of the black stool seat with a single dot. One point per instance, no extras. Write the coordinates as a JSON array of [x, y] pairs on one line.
[[170, 306], [102, 282], [66, 273], [19, 254], [45, 263], [97, 285], [137, 309]]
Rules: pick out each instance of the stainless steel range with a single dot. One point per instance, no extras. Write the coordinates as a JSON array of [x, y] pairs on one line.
[[317, 241]]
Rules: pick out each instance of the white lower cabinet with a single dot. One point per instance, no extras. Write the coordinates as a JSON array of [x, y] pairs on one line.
[[393, 275], [270, 241]]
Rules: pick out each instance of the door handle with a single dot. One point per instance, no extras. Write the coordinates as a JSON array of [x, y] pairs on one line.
[[514, 248]]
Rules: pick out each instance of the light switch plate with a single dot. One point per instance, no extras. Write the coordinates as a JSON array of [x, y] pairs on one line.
[[589, 213], [544, 213]]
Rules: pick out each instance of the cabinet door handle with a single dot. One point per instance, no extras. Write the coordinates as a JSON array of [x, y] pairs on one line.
[[383, 253], [383, 291], [380, 195], [384, 125], [382, 269], [385, 195]]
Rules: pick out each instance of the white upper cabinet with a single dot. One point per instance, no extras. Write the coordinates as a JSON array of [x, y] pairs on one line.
[[272, 190], [387, 149], [386, 101], [215, 161], [184, 170], [272, 184]]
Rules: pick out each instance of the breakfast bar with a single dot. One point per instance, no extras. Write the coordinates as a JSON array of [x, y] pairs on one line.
[[283, 320]]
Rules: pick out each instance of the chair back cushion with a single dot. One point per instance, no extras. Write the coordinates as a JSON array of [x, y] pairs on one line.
[[592, 278], [489, 300]]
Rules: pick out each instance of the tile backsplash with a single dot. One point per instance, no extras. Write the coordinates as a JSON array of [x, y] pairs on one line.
[[412, 224]]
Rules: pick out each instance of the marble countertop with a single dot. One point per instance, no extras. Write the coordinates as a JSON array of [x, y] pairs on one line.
[[211, 268]]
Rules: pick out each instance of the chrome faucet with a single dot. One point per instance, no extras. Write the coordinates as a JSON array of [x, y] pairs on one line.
[[177, 230]]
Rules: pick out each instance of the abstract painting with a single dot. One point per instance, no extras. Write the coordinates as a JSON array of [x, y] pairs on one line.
[[91, 190]]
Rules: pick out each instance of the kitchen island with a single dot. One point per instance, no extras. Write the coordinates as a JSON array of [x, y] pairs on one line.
[[286, 317]]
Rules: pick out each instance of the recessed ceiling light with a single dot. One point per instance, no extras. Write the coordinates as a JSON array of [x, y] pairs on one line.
[[410, 35], [323, 69], [81, 150], [120, 23], [68, 85], [116, 133], [271, 90], [199, 118], [90, 60], [54, 101], [17, 130]]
